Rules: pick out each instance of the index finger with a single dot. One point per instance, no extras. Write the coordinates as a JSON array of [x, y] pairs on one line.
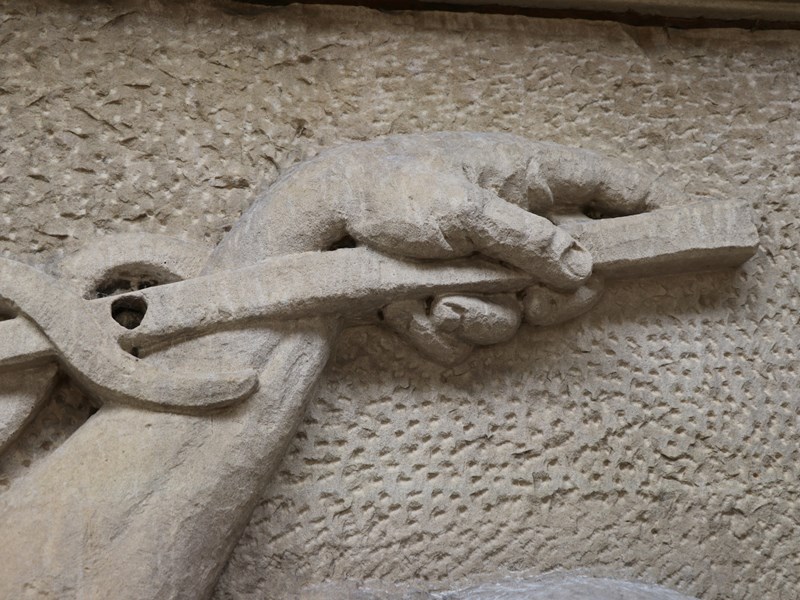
[[545, 177], [581, 180], [532, 243]]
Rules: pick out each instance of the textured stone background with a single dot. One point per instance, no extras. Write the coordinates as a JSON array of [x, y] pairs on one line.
[[655, 438]]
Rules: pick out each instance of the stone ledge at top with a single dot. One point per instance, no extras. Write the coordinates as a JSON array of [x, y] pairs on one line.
[[768, 10]]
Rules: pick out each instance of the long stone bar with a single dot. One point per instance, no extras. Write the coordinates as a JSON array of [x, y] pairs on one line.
[[703, 236]]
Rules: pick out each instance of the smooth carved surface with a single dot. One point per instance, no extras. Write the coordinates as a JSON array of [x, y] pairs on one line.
[[640, 461]]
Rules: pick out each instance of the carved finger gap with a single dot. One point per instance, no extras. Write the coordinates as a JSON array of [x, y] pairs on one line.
[[594, 213], [346, 241], [597, 212], [428, 305], [63, 410], [131, 278]]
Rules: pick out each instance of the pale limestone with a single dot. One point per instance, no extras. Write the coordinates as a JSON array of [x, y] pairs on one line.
[[557, 586], [642, 465], [80, 530]]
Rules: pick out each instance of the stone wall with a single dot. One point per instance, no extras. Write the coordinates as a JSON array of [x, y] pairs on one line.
[[653, 439]]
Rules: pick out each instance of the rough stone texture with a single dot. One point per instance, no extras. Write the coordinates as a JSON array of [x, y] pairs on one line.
[[556, 586], [653, 439], [165, 525]]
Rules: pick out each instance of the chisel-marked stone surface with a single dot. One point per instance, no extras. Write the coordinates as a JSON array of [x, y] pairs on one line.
[[654, 438]]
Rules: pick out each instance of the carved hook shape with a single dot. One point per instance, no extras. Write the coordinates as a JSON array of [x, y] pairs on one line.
[[84, 347]]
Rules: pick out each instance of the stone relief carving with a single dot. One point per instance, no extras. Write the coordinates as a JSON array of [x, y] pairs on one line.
[[203, 363]]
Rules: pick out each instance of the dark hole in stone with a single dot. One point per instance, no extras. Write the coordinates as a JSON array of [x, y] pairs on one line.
[[129, 311], [594, 213], [345, 242], [114, 287], [428, 305], [120, 285]]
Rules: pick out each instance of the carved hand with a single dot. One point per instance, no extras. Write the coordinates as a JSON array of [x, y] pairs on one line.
[[451, 195], [427, 197], [157, 511]]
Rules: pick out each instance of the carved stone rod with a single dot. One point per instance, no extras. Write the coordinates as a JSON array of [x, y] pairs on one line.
[[710, 235]]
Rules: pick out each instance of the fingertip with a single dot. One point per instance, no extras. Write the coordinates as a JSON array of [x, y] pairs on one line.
[[570, 264], [531, 243], [577, 263], [409, 319], [482, 321], [543, 306]]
